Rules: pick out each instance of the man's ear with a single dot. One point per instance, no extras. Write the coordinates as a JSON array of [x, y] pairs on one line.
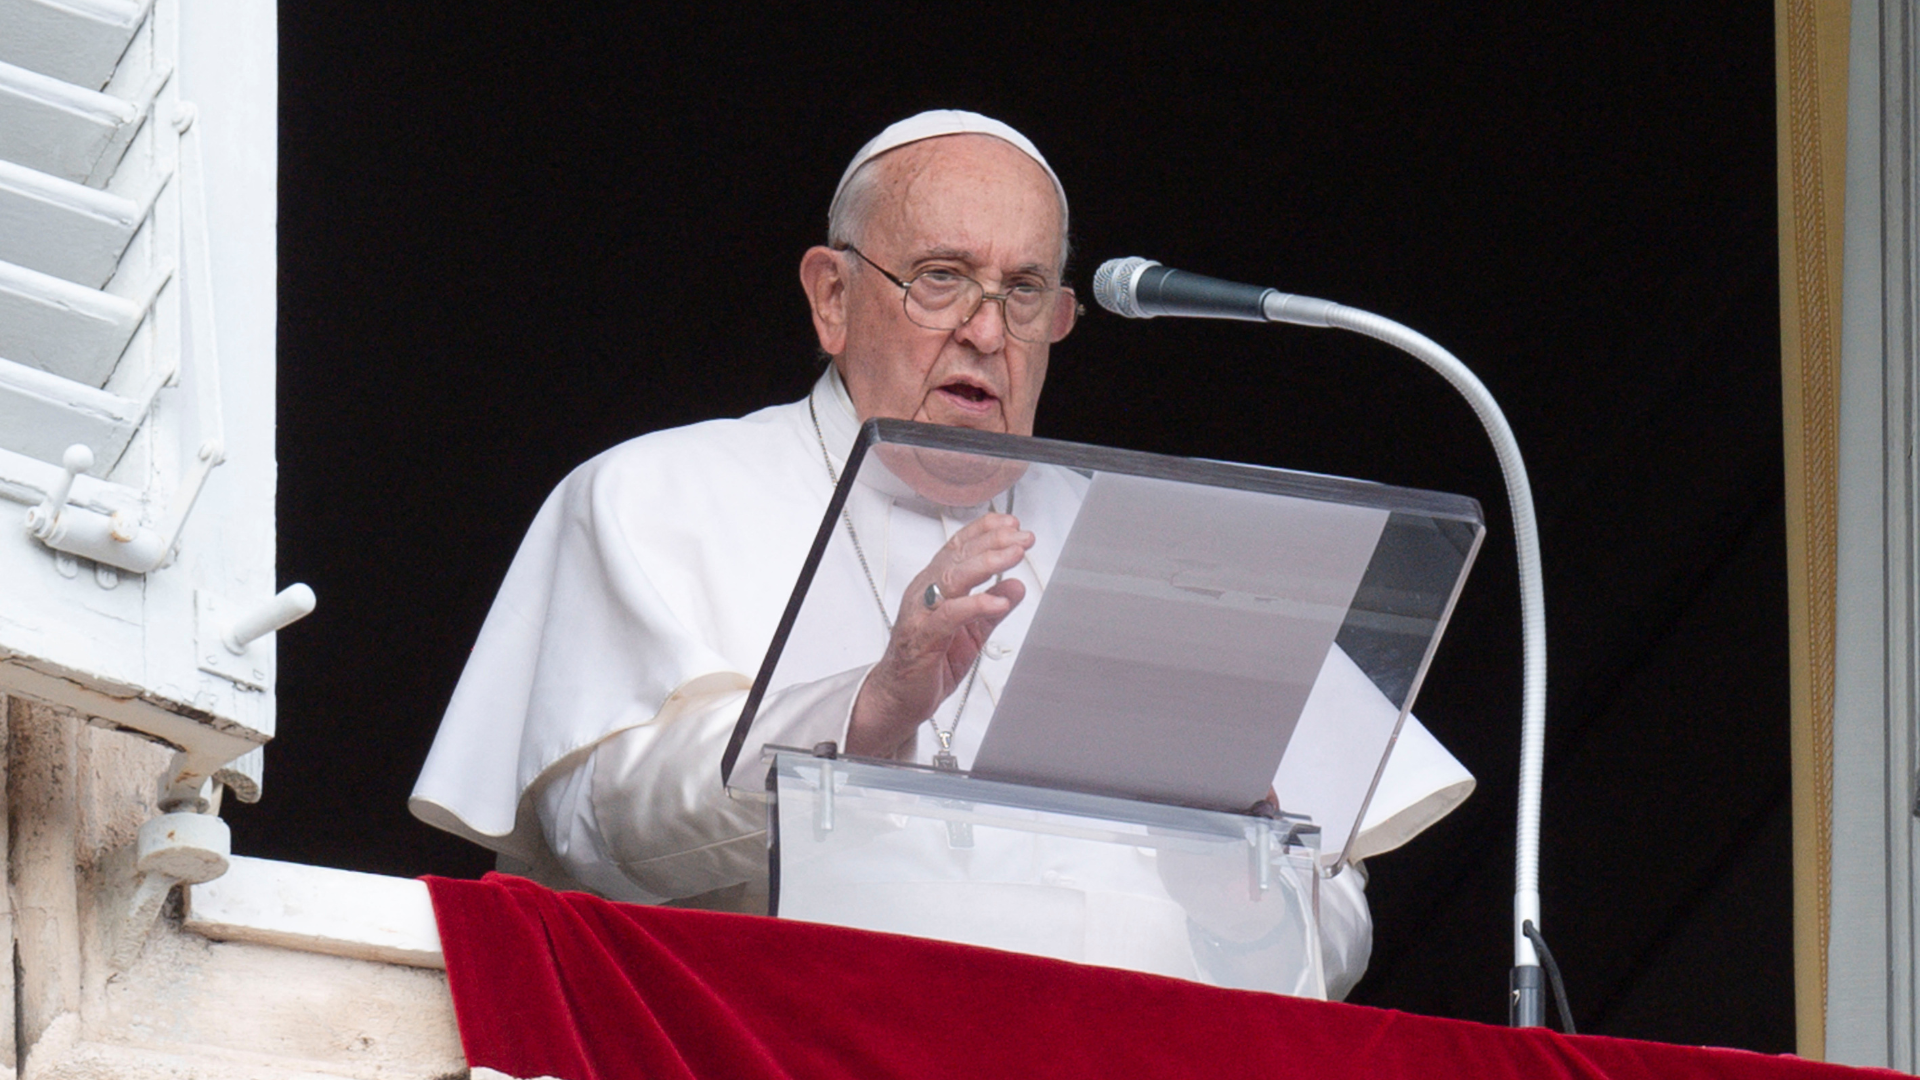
[[824, 278]]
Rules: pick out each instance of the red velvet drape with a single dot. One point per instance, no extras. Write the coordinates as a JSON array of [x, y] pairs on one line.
[[575, 987]]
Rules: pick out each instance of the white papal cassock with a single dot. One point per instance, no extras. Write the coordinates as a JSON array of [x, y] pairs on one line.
[[583, 742]]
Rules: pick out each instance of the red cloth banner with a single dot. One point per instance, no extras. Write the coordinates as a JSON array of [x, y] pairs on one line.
[[571, 986]]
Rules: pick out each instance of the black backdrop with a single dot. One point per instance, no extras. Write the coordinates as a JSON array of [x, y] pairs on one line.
[[512, 235]]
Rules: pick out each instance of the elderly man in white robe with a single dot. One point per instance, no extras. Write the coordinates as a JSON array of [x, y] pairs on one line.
[[584, 739]]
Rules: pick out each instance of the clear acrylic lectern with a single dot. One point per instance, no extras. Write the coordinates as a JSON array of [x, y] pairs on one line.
[[1154, 759]]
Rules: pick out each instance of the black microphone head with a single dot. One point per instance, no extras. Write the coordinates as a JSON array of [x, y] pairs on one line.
[[1114, 284]]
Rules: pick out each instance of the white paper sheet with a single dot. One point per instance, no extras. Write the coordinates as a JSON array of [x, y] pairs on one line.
[[1177, 641]]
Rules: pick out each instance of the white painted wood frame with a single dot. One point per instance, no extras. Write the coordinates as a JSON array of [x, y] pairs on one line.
[[1871, 1000]]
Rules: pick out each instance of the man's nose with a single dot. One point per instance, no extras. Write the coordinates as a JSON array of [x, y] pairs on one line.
[[986, 328]]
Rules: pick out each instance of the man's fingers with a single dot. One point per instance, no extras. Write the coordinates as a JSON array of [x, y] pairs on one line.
[[991, 545], [966, 573], [964, 546], [987, 532], [955, 612], [930, 640], [986, 523], [982, 626], [932, 647], [1013, 589]]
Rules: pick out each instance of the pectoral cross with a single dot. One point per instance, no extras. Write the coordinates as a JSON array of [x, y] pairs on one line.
[[944, 759]]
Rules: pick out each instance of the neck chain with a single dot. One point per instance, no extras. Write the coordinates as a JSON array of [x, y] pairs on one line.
[[945, 759]]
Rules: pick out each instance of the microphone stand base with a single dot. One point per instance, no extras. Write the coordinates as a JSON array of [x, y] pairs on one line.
[[1527, 1003]]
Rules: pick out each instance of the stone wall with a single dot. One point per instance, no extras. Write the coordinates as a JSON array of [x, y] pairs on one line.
[[75, 796]]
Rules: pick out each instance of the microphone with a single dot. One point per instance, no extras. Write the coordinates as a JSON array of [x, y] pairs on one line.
[[1143, 289]]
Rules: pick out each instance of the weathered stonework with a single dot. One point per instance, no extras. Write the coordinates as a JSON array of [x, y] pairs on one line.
[[186, 1006]]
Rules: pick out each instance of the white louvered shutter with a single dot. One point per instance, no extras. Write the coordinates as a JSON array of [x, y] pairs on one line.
[[137, 187]]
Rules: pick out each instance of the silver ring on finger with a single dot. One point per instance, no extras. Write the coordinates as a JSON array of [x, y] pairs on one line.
[[932, 596]]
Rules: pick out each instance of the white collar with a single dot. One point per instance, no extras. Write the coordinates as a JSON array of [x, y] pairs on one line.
[[839, 423]]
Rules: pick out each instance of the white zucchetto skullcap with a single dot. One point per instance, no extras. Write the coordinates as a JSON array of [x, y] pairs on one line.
[[932, 124]]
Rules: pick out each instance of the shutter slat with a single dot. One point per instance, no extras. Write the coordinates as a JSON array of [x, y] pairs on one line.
[[45, 414], [66, 329], [62, 130], [62, 228], [77, 41]]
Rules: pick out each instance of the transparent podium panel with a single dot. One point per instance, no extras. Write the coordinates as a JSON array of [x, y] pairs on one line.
[[1225, 899], [1190, 633]]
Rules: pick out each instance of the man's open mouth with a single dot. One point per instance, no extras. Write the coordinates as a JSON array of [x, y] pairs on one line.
[[968, 392]]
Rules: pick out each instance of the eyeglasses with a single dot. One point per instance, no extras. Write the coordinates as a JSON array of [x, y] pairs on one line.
[[943, 299]]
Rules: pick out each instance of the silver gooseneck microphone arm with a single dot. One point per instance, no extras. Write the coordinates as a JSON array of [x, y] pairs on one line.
[[1140, 288]]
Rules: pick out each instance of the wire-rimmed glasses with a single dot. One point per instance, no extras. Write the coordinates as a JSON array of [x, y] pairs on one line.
[[940, 298]]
